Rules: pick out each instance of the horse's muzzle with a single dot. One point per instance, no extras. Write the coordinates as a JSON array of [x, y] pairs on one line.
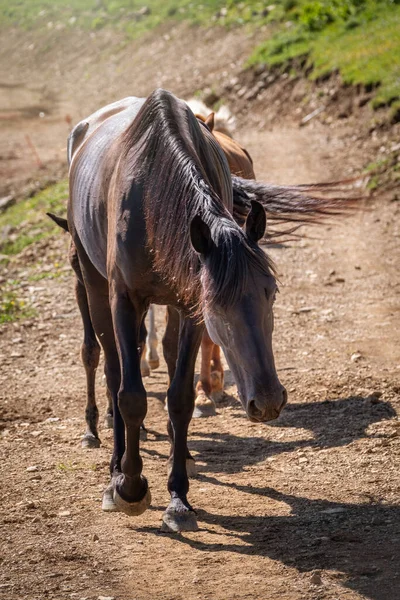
[[260, 410]]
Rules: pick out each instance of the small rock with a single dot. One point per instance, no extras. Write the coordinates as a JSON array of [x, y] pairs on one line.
[[95, 537], [355, 357], [316, 578], [64, 513], [36, 519], [106, 598]]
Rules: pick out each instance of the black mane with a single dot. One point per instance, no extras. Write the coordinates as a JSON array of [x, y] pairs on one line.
[[184, 173]]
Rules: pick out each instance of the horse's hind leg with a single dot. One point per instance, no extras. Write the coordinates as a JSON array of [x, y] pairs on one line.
[[152, 341], [204, 404], [109, 418], [90, 353], [217, 374], [131, 491], [179, 515]]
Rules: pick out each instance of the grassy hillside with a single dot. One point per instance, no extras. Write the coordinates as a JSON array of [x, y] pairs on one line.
[[358, 38]]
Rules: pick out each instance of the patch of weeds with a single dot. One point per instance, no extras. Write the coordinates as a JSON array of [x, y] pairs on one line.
[[46, 275], [11, 308], [27, 222]]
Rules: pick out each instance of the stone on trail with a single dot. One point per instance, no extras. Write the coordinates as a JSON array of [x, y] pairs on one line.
[[316, 578]]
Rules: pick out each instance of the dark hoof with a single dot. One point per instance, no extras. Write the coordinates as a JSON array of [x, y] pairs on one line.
[[204, 407], [154, 363], [132, 509], [108, 421], [90, 441], [174, 521]]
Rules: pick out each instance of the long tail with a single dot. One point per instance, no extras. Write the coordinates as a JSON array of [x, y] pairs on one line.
[[290, 207]]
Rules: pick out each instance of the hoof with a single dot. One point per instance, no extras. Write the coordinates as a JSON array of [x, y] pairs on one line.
[[191, 469], [108, 504], [154, 363], [90, 441], [204, 407], [174, 522], [132, 509], [108, 421]]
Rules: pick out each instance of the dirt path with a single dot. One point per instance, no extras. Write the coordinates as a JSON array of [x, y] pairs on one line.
[[305, 508]]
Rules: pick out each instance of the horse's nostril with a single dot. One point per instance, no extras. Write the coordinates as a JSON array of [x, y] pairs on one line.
[[254, 412]]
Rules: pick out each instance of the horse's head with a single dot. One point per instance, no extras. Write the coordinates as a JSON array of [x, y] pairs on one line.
[[239, 290]]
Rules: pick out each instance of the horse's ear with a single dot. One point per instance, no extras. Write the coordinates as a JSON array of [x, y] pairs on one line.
[[210, 121], [256, 221], [63, 223], [200, 236]]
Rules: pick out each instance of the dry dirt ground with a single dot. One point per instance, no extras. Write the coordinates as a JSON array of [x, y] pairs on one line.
[[305, 508]]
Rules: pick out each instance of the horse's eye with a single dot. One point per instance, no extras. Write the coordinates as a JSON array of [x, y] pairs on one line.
[[268, 295]]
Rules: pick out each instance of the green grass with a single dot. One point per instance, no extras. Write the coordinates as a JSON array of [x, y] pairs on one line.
[[27, 223], [129, 16], [360, 39], [27, 219]]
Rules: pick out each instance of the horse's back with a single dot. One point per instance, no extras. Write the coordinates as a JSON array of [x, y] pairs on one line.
[[94, 161], [123, 110]]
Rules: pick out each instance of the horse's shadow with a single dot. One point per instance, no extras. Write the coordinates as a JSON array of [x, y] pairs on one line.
[[359, 543], [332, 423]]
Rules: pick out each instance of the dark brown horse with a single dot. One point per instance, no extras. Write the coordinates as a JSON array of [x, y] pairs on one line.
[[290, 205], [150, 214]]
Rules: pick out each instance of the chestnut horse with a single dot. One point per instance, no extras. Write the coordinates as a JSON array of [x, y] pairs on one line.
[[150, 215]]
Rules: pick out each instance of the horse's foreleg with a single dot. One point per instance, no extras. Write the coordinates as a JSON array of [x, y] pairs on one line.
[[90, 353], [179, 515], [170, 344], [204, 404], [131, 491], [152, 341], [109, 418]]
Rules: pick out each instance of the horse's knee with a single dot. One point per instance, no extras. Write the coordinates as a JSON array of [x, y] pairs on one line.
[[132, 406], [90, 353]]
